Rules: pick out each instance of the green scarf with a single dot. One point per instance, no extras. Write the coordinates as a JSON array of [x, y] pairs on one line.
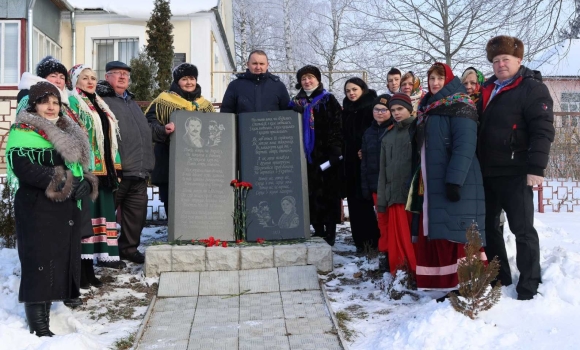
[[28, 141]]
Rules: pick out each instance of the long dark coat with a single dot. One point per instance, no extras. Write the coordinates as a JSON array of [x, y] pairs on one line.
[[255, 93], [324, 198], [48, 222], [450, 136], [357, 117]]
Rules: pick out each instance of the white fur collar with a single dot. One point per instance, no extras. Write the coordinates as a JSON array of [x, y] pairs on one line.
[[28, 79]]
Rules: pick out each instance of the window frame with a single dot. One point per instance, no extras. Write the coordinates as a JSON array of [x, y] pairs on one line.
[[50, 47], [3, 50], [115, 41]]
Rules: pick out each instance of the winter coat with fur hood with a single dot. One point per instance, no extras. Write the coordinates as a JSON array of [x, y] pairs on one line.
[[48, 221]]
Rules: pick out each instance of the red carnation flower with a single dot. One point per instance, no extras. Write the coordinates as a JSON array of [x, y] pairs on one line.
[[239, 241], [260, 240], [233, 182], [225, 244]]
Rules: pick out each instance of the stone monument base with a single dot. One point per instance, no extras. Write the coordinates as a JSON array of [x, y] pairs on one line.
[[189, 258]]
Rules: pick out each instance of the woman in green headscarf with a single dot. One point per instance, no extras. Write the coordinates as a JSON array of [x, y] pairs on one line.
[[48, 158], [472, 79]]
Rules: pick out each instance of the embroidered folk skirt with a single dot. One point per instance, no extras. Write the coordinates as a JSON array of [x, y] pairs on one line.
[[103, 245]]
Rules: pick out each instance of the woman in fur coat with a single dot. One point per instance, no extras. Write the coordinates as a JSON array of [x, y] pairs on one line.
[[322, 135], [48, 159], [357, 116]]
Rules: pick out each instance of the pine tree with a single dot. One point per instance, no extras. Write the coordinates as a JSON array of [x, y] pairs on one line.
[[7, 221], [143, 77], [160, 43], [474, 279]]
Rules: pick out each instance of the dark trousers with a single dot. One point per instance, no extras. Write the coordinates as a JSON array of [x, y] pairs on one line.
[[164, 197], [131, 199], [512, 194], [363, 222]]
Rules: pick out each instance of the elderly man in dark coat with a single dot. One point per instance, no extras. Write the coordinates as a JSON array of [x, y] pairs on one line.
[[137, 156], [515, 136], [256, 90]]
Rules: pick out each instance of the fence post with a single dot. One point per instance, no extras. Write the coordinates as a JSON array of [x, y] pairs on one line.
[[540, 190]]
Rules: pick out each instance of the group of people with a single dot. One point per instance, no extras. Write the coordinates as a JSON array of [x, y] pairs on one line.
[[416, 167], [80, 156]]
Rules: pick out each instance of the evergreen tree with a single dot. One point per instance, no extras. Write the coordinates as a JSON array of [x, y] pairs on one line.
[[7, 221], [474, 279], [143, 77], [160, 43]]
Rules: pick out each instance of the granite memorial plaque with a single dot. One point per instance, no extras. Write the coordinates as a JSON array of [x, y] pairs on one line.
[[201, 167], [272, 160]]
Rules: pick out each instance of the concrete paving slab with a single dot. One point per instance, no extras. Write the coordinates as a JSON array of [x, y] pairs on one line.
[[259, 281], [166, 333], [314, 342], [171, 317], [178, 284], [217, 302], [317, 325], [164, 345], [213, 344], [175, 304], [302, 297], [264, 343], [261, 312], [216, 316], [225, 330], [219, 283], [263, 328], [294, 278], [305, 310], [249, 300]]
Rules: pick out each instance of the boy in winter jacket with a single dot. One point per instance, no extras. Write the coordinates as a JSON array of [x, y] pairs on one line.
[[371, 151], [393, 187]]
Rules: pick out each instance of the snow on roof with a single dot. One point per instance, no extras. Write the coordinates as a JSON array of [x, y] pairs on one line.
[[559, 61], [143, 8]]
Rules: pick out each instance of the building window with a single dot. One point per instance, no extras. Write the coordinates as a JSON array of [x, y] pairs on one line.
[[9, 52], [43, 46], [570, 102], [107, 50]]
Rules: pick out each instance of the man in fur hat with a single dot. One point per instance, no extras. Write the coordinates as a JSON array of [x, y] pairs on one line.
[[515, 134]]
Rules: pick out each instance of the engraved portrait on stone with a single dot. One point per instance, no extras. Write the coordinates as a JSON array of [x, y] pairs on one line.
[[192, 136], [289, 219]]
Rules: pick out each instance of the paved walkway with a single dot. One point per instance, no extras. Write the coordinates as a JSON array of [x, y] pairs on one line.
[[278, 308]]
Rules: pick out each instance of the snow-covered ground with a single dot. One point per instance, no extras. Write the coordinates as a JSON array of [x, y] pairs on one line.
[[358, 294]]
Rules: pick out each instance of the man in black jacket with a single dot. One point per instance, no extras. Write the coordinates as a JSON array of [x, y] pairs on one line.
[[256, 90], [515, 135], [137, 158]]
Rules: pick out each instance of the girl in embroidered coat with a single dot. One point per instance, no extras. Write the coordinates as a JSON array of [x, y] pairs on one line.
[[447, 188], [103, 131], [322, 134], [48, 170], [184, 94]]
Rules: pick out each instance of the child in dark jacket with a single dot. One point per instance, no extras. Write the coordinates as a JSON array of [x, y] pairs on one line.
[[371, 152]]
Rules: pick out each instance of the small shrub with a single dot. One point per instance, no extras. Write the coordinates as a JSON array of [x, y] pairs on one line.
[[7, 221], [474, 279]]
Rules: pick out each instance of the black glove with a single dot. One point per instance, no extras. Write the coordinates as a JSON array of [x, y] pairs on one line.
[[452, 191], [81, 189], [333, 160], [298, 108]]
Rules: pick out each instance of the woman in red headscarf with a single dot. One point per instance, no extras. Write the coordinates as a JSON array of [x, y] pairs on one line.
[[447, 187]]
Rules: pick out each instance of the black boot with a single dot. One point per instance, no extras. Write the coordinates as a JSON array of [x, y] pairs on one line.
[[84, 281], [73, 303], [384, 263], [38, 317], [330, 237], [47, 306], [318, 230], [87, 267]]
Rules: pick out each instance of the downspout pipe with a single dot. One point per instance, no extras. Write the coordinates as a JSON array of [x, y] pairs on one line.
[[73, 26], [73, 29], [29, 33]]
